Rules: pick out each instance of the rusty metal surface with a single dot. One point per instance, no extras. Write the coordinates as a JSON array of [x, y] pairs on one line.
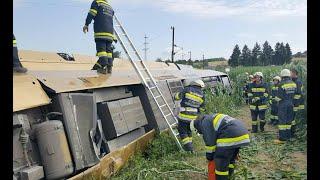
[[27, 92], [114, 161]]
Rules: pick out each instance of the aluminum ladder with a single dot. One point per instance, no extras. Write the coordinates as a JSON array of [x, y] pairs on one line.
[[147, 79]]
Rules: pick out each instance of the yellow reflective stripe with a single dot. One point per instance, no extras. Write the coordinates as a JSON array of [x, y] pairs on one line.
[[193, 97], [265, 94], [103, 53], [93, 12], [14, 41], [289, 85], [202, 109], [297, 96], [284, 127], [274, 88], [104, 34], [187, 116], [250, 94], [216, 121], [211, 149], [295, 108], [187, 140], [252, 107], [262, 107], [301, 107], [258, 89], [222, 173], [98, 64], [103, 2], [177, 96], [232, 140], [231, 166], [254, 122]]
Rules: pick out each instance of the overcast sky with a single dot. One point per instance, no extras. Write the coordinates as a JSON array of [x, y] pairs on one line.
[[209, 27]]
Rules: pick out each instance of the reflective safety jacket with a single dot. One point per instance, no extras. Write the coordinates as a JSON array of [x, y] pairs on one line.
[[246, 87], [287, 91], [14, 41], [273, 93], [102, 14], [192, 102], [223, 132], [298, 101], [258, 96]]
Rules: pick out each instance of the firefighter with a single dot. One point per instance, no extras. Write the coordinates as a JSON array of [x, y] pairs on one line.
[[286, 91], [258, 97], [223, 136], [245, 88], [274, 105], [298, 102], [17, 66], [102, 14], [192, 104]]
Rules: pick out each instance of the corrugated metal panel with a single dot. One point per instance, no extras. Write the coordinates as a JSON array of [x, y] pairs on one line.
[[27, 93]]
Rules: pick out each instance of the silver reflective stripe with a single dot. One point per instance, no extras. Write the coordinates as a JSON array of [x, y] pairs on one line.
[[196, 105], [188, 109], [233, 143], [219, 122]]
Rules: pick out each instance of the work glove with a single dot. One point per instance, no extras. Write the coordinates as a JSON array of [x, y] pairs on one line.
[[255, 99], [85, 29]]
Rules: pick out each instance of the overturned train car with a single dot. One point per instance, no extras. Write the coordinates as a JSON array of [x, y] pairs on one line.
[[70, 122]]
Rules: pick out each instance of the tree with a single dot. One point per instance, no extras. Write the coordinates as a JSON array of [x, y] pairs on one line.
[[159, 60], [267, 55], [235, 57], [245, 57], [256, 54], [288, 55], [190, 62], [279, 55]]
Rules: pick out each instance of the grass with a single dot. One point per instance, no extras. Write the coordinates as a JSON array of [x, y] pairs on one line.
[[261, 160]]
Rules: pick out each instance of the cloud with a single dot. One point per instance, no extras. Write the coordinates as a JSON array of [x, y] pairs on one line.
[[222, 8], [280, 35]]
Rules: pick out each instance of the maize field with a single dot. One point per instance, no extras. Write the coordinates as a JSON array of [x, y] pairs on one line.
[[262, 159]]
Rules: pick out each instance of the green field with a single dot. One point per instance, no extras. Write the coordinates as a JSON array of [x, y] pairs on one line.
[[261, 160]]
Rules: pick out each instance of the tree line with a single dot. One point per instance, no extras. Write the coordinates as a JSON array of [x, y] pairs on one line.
[[261, 57]]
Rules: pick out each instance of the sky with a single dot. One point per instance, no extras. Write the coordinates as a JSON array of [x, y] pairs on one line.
[[205, 27]]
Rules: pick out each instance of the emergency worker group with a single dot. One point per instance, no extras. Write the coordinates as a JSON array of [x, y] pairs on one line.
[[223, 135]]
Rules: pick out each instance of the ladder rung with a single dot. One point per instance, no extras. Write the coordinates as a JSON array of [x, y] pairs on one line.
[[162, 105], [152, 87], [157, 97], [173, 124], [176, 134], [167, 115]]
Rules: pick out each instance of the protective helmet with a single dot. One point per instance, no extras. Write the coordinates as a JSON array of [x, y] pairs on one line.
[[198, 82], [277, 78], [247, 73], [285, 73], [251, 76], [258, 74]]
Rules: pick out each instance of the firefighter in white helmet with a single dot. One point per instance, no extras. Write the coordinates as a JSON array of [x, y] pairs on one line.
[[192, 104], [274, 105], [258, 94], [285, 96]]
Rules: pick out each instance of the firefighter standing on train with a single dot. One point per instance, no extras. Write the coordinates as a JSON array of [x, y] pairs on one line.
[[258, 97], [223, 136], [102, 14], [298, 101], [285, 97], [274, 104], [192, 103]]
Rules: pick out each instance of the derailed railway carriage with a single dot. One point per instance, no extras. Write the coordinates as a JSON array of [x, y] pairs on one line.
[[70, 122]]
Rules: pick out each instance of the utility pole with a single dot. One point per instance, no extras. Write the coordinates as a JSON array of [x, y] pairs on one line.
[[189, 55], [203, 60], [172, 52], [145, 47]]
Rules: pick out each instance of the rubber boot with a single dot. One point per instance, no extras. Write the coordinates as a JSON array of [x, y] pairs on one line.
[[102, 70], [262, 124], [109, 69], [20, 69], [254, 128]]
